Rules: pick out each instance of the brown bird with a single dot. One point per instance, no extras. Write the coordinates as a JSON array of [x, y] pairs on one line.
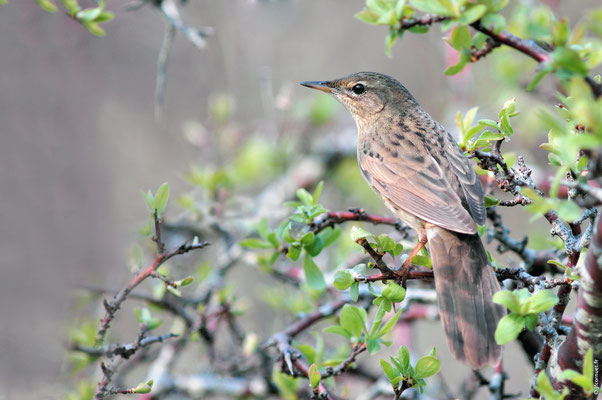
[[423, 176]]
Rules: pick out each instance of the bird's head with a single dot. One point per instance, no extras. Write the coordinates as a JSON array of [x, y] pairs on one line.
[[367, 94]]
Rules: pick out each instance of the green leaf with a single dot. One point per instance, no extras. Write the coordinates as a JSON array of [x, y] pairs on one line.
[[149, 200], [536, 79], [431, 6], [389, 370], [379, 6], [576, 378], [491, 201], [305, 197], [385, 243], [495, 22], [315, 247], [568, 210], [89, 14], [255, 243], [186, 281], [389, 325], [105, 16], [314, 376], [531, 321], [337, 330], [567, 62], [373, 346], [541, 301], [94, 29], [426, 366], [460, 38], [354, 291], [329, 235], [317, 192], [394, 292], [294, 251], [46, 5], [313, 275], [343, 280], [472, 14], [588, 366], [359, 233], [351, 321], [404, 359], [507, 299], [455, 69], [545, 388], [368, 16], [508, 328]]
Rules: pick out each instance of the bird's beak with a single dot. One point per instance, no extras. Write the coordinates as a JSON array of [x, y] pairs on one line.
[[320, 85]]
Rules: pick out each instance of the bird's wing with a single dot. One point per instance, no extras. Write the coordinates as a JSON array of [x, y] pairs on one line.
[[468, 178], [418, 186]]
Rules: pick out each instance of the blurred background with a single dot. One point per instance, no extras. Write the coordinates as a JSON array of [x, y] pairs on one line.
[[78, 138]]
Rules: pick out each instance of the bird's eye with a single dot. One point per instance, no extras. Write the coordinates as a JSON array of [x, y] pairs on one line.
[[358, 88]]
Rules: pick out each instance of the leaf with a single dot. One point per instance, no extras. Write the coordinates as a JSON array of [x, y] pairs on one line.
[[507, 299], [149, 200], [404, 359], [545, 388], [359, 233], [372, 345], [46, 5], [343, 280], [508, 328], [337, 330], [354, 291], [472, 14], [305, 197], [389, 325], [568, 210], [536, 79], [426, 366], [255, 243], [460, 38], [105, 16], [367, 16], [350, 321], [389, 370], [495, 22], [315, 247], [540, 302], [567, 62], [329, 235], [294, 251], [394, 292], [431, 6], [313, 275], [314, 376], [317, 192], [491, 201], [455, 69], [89, 14], [161, 198]]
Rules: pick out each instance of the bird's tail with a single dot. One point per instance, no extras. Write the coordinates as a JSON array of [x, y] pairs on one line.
[[465, 284]]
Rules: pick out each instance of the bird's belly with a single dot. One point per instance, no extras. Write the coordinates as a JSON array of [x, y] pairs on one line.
[[409, 219]]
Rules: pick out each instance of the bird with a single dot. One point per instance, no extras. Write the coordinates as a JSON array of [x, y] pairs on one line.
[[413, 163]]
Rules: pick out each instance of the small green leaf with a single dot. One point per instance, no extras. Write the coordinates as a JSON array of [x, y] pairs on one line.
[[455, 69], [343, 280], [373, 346], [389, 325], [354, 291], [313, 275], [491, 201], [460, 38], [89, 14], [389, 370], [46, 5], [161, 198], [351, 321], [531, 321], [536, 79], [427, 366], [495, 22], [337, 330], [359, 233], [431, 6], [368, 16], [186, 281], [539, 302], [305, 197], [314, 376], [545, 388], [294, 251], [508, 328], [472, 14], [104, 16], [507, 299], [315, 247], [568, 210], [394, 292], [317, 192], [329, 235], [404, 359], [254, 243]]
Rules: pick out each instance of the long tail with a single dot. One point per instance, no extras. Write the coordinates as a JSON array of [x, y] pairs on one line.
[[465, 284]]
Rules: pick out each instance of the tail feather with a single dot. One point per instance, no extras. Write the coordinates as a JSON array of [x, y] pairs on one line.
[[465, 284]]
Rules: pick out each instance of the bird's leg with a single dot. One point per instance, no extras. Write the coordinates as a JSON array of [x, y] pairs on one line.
[[407, 265]]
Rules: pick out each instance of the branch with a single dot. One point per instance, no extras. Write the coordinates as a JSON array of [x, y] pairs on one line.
[[123, 350]]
